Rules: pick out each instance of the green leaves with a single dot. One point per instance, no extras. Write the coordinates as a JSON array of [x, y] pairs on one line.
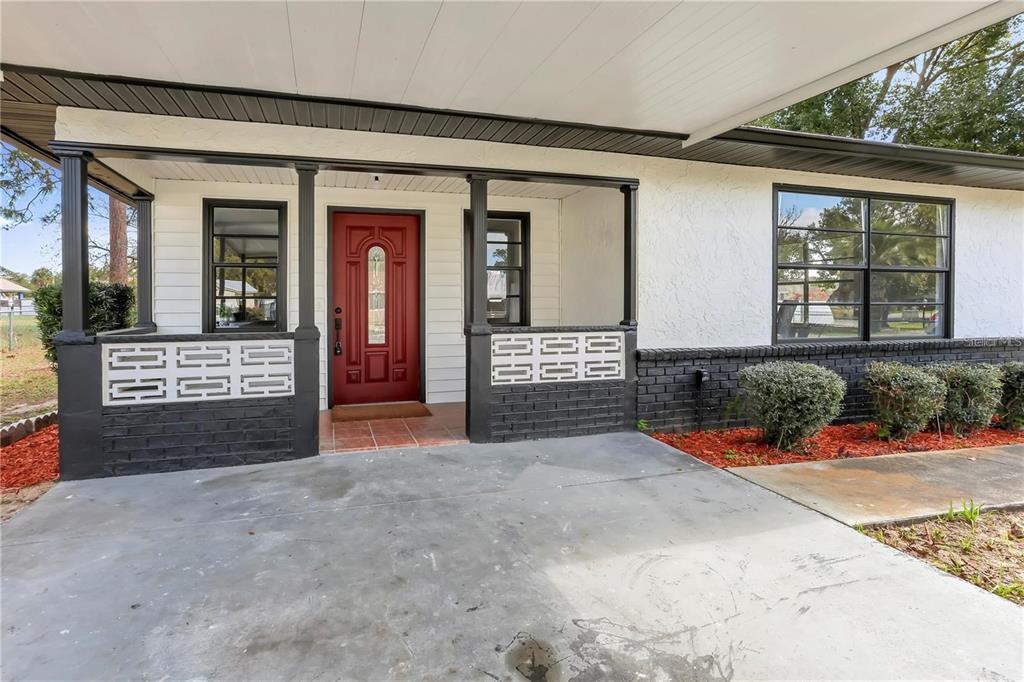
[[111, 306], [972, 394], [906, 398], [791, 401], [1011, 405], [968, 94], [24, 181]]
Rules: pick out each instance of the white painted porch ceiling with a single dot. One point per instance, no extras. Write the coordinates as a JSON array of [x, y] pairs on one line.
[[138, 169], [696, 67]]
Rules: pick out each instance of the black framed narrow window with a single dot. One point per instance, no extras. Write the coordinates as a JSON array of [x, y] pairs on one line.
[[508, 267], [244, 252], [861, 266]]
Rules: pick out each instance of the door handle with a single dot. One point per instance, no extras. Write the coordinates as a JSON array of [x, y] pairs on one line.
[[337, 333]]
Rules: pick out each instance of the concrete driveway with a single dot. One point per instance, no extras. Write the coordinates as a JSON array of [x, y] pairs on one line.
[[608, 557]]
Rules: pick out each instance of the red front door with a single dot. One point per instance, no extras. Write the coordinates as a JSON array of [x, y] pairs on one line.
[[376, 300]]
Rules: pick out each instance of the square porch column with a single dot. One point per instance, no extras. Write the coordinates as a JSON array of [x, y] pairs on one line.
[[629, 304], [74, 221], [477, 329], [144, 267], [307, 335], [79, 371]]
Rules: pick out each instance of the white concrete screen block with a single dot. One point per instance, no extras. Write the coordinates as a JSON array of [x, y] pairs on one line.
[[140, 373], [553, 357]]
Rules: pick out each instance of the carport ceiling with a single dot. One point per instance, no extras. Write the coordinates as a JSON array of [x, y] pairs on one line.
[[139, 170], [680, 67]]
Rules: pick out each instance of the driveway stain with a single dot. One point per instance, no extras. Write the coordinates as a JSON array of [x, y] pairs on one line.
[[531, 658], [604, 650]]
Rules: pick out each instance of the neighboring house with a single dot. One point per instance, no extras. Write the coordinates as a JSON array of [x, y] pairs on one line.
[[12, 296], [322, 221]]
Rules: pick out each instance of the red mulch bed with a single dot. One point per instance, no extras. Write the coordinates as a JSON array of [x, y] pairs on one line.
[[743, 447], [31, 460]]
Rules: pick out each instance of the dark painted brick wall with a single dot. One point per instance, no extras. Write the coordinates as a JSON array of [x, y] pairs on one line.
[[140, 439], [667, 396], [530, 411]]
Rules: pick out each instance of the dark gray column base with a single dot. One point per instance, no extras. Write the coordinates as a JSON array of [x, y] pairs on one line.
[[73, 338], [629, 388], [307, 392], [478, 383], [79, 412]]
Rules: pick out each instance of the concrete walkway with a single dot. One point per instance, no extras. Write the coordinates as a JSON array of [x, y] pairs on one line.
[[599, 558], [903, 487]]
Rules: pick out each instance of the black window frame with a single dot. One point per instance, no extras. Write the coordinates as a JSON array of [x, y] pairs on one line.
[[210, 266], [524, 298], [868, 268]]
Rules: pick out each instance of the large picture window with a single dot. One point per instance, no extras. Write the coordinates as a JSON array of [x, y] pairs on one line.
[[859, 266], [244, 250], [508, 274]]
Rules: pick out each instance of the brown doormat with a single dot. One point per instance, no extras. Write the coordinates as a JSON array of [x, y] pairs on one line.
[[362, 413]]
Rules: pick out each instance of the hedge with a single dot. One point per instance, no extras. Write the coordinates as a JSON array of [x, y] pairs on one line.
[[791, 401], [111, 306]]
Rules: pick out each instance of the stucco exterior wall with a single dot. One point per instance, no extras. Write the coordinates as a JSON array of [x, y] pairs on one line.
[[591, 257], [177, 266], [705, 230]]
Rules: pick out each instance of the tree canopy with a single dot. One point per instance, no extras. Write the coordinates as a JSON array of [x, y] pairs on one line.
[[967, 94]]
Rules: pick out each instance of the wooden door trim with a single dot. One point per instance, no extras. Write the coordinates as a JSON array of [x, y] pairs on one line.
[[329, 332]]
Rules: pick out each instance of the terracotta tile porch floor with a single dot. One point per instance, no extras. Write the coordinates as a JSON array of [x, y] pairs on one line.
[[444, 426]]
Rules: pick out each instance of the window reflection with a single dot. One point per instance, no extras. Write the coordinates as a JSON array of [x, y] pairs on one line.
[[826, 244]]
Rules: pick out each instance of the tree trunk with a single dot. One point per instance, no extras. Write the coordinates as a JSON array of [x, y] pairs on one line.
[[118, 242]]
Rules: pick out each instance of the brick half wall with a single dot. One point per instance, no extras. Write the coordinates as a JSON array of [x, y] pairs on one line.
[[668, 399], [174, 436], [555, 410]]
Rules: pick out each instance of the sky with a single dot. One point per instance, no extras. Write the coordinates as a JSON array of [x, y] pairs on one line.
[[25, 247]]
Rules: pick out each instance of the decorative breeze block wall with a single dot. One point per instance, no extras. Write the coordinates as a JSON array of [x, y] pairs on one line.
[[139, 373], [548, 357]]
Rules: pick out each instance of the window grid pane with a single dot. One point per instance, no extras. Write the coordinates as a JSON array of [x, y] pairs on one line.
[[828, 290], [245, 241]]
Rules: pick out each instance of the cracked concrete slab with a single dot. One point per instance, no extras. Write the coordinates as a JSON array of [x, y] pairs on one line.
[[903, 487], [605, 557]]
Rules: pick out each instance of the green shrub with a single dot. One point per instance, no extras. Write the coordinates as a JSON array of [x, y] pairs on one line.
[[906, 398], [972, 394], [1011, 407], [791, 401], [110, 307]]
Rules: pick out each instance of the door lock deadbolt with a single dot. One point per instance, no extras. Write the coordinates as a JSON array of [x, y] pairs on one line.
[[337, 332]]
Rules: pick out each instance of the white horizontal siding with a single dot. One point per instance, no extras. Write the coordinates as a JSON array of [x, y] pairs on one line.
[[177, 277]]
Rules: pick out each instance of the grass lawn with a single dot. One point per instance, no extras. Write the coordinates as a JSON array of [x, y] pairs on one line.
[[26, 380], [984, 549]]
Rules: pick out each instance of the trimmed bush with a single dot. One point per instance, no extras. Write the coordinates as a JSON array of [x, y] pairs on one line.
[[111, 306], [791, 401], [972, 395], [906, 398], [1011, 407]]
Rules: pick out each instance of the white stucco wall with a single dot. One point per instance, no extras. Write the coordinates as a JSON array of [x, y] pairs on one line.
[[177, 266], [704, 251], [591, 257]]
